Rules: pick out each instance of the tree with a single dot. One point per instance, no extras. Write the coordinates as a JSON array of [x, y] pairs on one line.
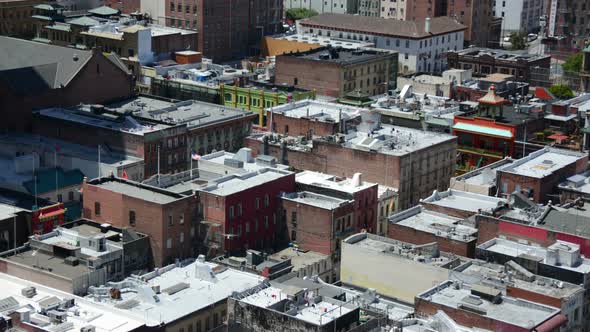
[[561, 91], [518, 41], [295, 14], [573, 63]]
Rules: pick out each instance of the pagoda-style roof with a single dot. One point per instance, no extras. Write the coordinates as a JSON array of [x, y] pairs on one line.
[[491, 98]]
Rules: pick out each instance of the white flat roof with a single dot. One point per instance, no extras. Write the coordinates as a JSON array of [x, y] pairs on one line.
[[235, 183], [8, 211], [542, 163], [103, 318], [462, 200], [319, 314], [317, 200], [330, 181], [515, 249], [184, 291], [439, 224], [514, 311], [318, 110], [219, 157]]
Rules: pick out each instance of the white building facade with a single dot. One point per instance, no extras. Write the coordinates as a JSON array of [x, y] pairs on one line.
[[519, 15], [420, 44], [324, 6]]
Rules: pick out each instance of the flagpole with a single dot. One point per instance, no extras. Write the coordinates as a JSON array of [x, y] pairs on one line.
[[34, 181], [158, 164], [191, 156], [56, 188], [99, 161]]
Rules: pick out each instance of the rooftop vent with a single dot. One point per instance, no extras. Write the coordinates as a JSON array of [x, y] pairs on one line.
[[29, 292], [72, 261]]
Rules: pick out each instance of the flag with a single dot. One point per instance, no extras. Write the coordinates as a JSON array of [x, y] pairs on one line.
[[195, 156], [124, 175]]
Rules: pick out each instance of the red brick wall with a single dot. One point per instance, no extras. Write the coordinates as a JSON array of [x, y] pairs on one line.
[[324, 78], [411, 235], [151, 219], [216, 209], [448, 210], [426, 308], [302, 126], [314, 227], [533, 297], [98, 82]]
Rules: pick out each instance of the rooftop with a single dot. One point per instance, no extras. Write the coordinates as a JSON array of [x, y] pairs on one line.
[[501, 54], [323, 312], [510, 310], [426, 253], [239, 162], [544, 162], [316, 200], [299, 259], [341, 56], [317, 111], [143, 115], [45, 301], [500, 276], [466, 201], [234, 183], [346, 185], [435, 223], [573, 220], [578, 183], [567, 255], [49, 263], [136, 190], [484, 176], [324, 41], [382, 26], [183, 290]]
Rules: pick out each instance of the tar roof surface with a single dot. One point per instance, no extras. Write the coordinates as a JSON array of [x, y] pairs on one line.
[[138, 191], [389, 27]]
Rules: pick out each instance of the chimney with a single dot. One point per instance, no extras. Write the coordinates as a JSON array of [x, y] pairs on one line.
[[356, 180], [427, 25]]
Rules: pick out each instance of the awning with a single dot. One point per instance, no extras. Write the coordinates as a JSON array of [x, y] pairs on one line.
[[51, 214], [483, 130], [552, 324], [558, 137]]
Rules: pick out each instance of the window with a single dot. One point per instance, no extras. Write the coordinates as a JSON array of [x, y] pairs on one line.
[[59, 198], [131, 218], [294, 217], [293, 235], [170, 220], [257, 203], [239, 209], [247, 227], [266, 222], [231, 211], [181, 219], [97, 208], [169, 243], [181, 237], [71, 196], [199, 326], [266, 200]]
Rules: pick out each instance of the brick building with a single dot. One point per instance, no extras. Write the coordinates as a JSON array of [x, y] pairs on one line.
[[538, 175], [35, 75], [413, 161], [149, 128], [169, 219], [15, 18], [492, 310], [531, 68], [312, 118], [483, 29], [243, 211], [420, 226], [227, 28], [335, 72], [326, 209]]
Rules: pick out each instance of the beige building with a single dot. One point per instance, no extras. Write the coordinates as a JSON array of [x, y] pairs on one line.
[[387, 205], [393, 268]]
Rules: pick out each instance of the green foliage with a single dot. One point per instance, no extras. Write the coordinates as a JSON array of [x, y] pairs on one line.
[[561, 91], [294, 14], [573, 63], [518, 41]]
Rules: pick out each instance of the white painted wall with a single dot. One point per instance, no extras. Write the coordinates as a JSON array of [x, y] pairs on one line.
[[156, 9], [519, 14], [414, 55]]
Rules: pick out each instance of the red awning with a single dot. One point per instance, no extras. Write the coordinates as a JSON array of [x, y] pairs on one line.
[[543, 93], [558, 137], [51, 214], [552, 324]]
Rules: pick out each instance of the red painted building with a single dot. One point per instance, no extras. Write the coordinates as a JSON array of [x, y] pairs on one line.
[[45, 219], [243, 211], [484, 140]]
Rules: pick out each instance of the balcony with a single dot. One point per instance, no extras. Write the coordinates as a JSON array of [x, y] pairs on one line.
[[480, 151]]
